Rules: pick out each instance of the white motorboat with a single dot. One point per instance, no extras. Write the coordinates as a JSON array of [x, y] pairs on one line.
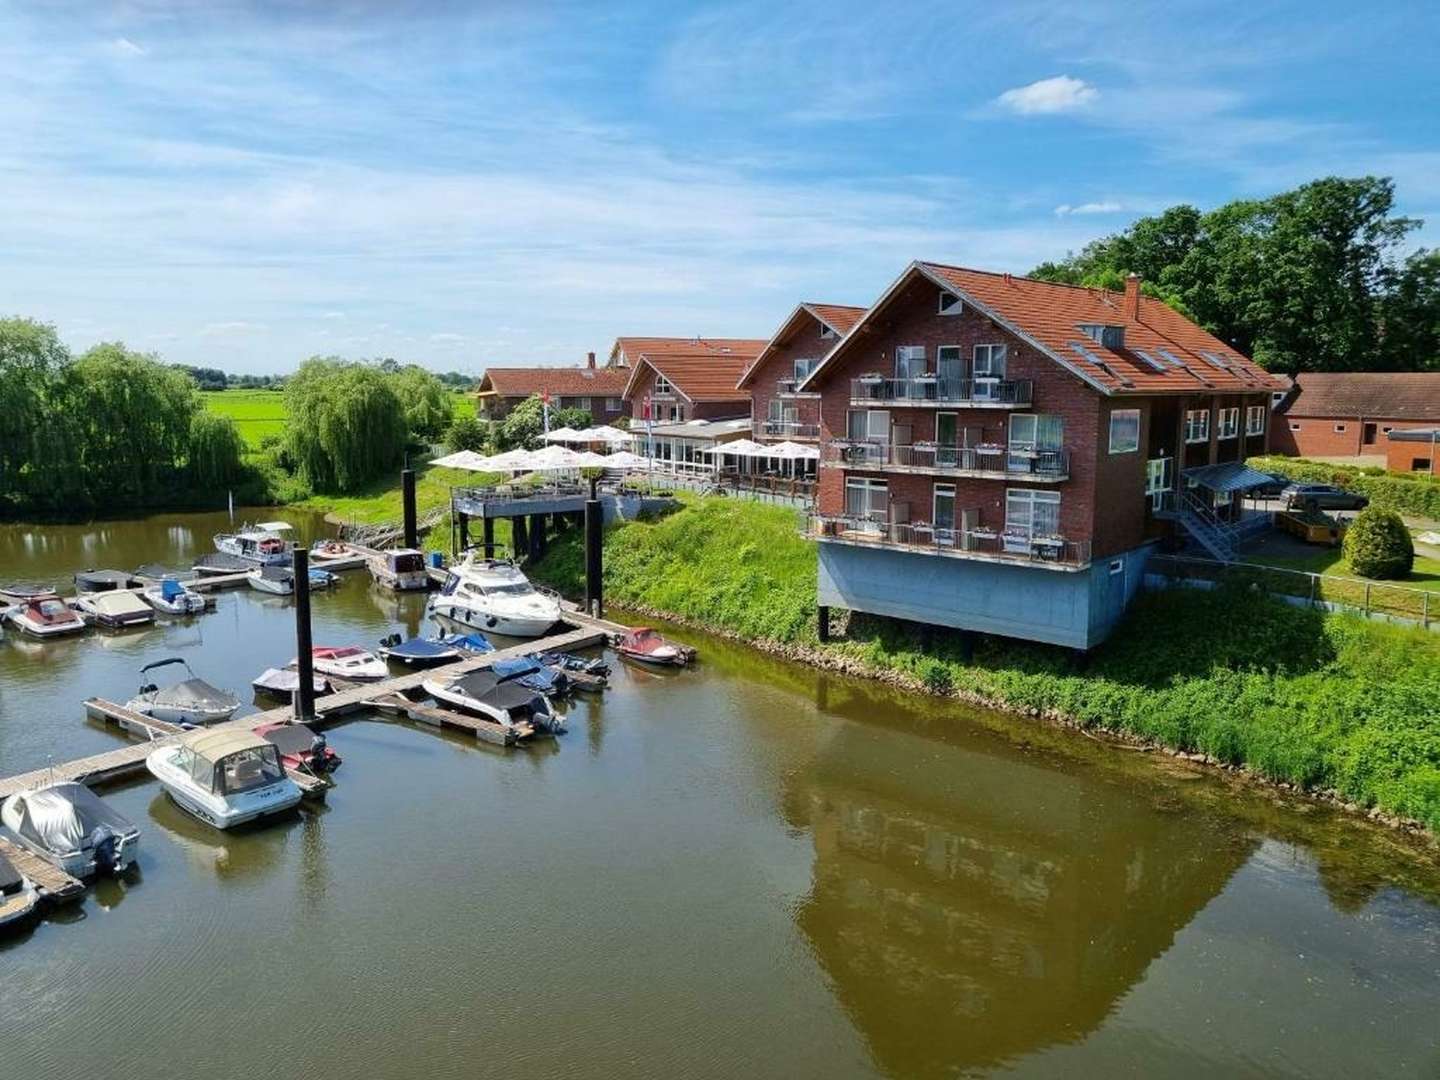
[[224, 776], [18, 895], [347, 662], [173, 598], [70, 826], [266, 544], [279, 580], [506, 701], [402, 570], [46, 616], [191, 702], [493, 595], [114, 609]]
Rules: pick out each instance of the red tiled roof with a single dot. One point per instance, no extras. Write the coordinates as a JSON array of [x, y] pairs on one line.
[[566, 381], [837, 317], [636, 347], [701, 369], [1382, 395]]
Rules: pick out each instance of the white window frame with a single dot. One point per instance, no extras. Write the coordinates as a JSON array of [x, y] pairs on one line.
[[614, 404], [1339, 429], [871, 486], [870, 435], [1296, 427], [662, 385], [905, 355], [1197, 431], [988, 368], [1031, 498], [954, 306], [582, 403], [1227, 424], [799, 374], [935, 493], [1254, 419], [1127, 414], [828, 333]]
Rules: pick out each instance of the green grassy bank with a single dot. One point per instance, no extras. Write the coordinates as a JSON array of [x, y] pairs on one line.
[[1325, 702], [258, 413]]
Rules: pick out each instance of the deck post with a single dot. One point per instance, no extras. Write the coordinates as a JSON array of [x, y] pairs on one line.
[[537, 537], [304, 701], [519, 536], [488, 535], [822, 623], [462, 522], [594, 523], [407, 499]]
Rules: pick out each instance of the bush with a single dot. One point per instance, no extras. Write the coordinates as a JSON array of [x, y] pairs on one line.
[[1378, 545], [465, 433], [1409, 493]]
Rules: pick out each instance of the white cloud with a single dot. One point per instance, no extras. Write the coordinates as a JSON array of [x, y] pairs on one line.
[[1066, 210], [123, 46], [230, 329], [333, 315], [1057, 95]]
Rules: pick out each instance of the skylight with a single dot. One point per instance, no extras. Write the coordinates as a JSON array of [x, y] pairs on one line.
[[1143, 355], [1214, 361], [1166, 354], [1086, 354]]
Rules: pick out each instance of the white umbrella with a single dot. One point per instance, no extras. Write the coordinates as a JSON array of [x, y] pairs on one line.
[[624, 459], [461, 459], [591, 460], [740, 448], [607, 434], [565, 435], [794, 451], [554, 457], [509, 461]]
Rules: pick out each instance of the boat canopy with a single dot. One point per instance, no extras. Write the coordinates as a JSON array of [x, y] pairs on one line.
[[120, 603], [293, 738], [228, 761], [213, 744], [276, 573], [196, 694], [170, 589], [61, 817], [485, 686], [101, 580], [275, 526], [515, 667], [421, 649]]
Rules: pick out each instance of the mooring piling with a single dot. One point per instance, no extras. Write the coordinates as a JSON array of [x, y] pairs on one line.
[[407, 497], [304, 657], [594, 533]]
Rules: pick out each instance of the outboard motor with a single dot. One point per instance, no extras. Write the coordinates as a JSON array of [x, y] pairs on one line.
[[107, 848]]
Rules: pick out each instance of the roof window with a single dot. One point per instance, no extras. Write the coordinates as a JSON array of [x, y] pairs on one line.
[[1112, 337]]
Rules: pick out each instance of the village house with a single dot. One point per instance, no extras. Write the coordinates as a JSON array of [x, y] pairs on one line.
[[780, 411], [1413, 450], [1001, 454], [1350, 413], [598, 390]]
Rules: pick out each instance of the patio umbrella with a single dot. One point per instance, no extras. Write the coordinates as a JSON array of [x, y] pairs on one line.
[[554, 457], [591, 460], [564, 435], [461, 459], [793, 451], [740, 448], [624, 459], [509, 461], [612, 436]]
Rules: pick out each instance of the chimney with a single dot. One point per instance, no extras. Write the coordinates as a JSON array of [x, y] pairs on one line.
[[1132, 297], [590, 360]]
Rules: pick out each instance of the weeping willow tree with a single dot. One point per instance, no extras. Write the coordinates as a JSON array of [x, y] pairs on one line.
[[217, 451], [346, 427], [427, 404]]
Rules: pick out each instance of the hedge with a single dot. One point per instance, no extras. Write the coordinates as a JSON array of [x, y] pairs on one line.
[[1406, 493]]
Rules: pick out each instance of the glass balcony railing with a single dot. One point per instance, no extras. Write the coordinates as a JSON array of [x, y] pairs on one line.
[[935, 390], [983, 460], [1006, 544], [789, 429]]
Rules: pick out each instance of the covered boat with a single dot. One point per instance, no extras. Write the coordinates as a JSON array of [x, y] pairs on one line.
[[115, 609], [402, 570], [70, 826], [218, 563], [22, 592], [193, 702], [419, 652], [348, 662], [494, 596], [18, 896], [323, 579], [279, 682], [279, 580], [528, 671], [508, 703], [46, 616], [585, 672], [173, 598], [475, 643], [225, 777], [644, 645], [96, 581], [266, 544], [154, 573], [300, 748]]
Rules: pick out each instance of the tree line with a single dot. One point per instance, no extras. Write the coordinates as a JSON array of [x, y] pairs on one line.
[[1313, 279], [208, 378]]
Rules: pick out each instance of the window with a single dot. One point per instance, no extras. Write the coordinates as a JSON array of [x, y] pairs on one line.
[[662, 385], [1339, 428], [866, 499], [1255, 420], [614, 404], [943, 518], [582, 403], [1117, 566], [990, 361], [1227, 424], [1159, 475], [803, 367], [909, 361], [1112, 337], [1197, 425], [868, 425], [775, 411], [1124, 431], [1032, 513], [1294, 427], [1420, 464], [1031, 435], [950, 303], [828, 333]]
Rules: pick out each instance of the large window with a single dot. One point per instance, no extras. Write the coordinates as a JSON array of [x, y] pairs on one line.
[[1227, 423], [1124, 431], [989, 361], [944, 512], [803, 367], [1032, 513], [662, 385], [866, 499], [1033, 433], [868, 425], [1255, 420], [950, 303], [909, 361], [614, 404], [1159, 478], [1197, 425]]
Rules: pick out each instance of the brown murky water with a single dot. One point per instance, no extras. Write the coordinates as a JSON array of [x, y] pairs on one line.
[[742, 869]]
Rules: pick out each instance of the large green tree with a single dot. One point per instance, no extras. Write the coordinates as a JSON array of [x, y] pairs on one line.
[[424, 399], [38, 466], [346, 424]]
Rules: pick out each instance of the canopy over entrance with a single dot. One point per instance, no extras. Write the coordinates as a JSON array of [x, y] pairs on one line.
[[1231, 476]]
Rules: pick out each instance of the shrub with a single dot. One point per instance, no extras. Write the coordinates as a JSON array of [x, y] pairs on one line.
[[1378, 545], [465, 433]]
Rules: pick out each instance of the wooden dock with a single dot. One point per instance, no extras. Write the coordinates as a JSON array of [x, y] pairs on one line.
[[53, 883]]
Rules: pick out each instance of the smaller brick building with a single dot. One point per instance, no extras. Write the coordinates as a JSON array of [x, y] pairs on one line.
[[598, 390], [780, 411], [1413, 450], [682, 379], [1350, 413]]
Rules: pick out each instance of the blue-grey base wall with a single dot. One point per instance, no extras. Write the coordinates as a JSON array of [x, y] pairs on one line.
[[1077, 608]]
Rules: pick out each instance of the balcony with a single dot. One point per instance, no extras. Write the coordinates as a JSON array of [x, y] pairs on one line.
[[983, 544], [930, 459], [788, 388], [794, 430], [931, 390]]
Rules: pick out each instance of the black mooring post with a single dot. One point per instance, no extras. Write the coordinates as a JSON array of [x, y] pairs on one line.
[[464, 520], [822, 621], [519, 536], [594, 532], [489, 536], [537, 537], [407, 498], [304, 701]]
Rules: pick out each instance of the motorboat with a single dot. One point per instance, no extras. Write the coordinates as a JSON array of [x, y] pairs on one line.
[[508, 703], [300, 748], [645, 646], [529, 672], [18, 895], [173, 598], [494, 596], [219, 563], [114, 609], [474, 643], [584, 672], [155, 573], [323, 579], [98, 581], [68, 825], [22, 592], [402, 570], [224, 776], [46, 616], [193, 702], [420, 652], [347, 662], [282, 683], [266, 544], [330, 549], [279, 580]]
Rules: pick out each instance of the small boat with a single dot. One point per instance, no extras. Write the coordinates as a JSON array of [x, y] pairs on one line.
[[18, 895], [68, 825], [645, 646], [323, 579], [347, 662], [419, 652], [585, 673], [266, 544], [529, 672], [278, 682], [330, 549], [193, 702], [154, 574], [300, 748], [22, 592], [99, 581], [211, 565], [114, 609], [173, 598], [47, 616], [494, 596], [279, 580], [402, 570], [474, 643], [224, 776], [483, 693]]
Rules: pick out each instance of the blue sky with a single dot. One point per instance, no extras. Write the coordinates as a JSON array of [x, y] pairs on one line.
[[243, 185]]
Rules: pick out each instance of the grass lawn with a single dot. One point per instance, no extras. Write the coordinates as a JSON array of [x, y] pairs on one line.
[[258, 413], [381, 500], [1318, 559]]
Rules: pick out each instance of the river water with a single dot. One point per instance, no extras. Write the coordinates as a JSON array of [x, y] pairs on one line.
[[747, 868]]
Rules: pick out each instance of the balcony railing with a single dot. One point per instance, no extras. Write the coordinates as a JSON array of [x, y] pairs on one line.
[[934, 390], [791, 388], [982, 460], [1006, 545], [789, 429]]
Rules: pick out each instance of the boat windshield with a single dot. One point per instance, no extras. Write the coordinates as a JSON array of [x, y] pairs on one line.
[[52, 608], [249, 769], [524, 588]]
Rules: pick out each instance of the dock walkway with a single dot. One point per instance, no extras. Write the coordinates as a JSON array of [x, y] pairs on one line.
[[52, 882]]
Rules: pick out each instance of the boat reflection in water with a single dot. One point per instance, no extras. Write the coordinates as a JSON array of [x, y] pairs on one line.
[[971, 908]]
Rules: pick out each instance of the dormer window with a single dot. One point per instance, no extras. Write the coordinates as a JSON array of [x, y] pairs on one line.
[[950, 303], [1112, 337], [828, 333]]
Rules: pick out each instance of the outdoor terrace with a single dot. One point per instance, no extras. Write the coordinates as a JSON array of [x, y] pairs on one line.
[[933, 459], [980, 543], [932, 390]]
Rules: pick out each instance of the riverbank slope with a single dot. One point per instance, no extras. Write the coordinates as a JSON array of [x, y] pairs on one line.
[[1324, 702]]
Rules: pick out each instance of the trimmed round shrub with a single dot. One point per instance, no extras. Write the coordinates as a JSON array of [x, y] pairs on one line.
[[1377, 545]]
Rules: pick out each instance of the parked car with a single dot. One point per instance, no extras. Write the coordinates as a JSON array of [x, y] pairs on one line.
[[1322, 497], [1273, 489]]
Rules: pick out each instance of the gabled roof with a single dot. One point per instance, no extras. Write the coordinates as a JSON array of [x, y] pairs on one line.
[[1164, 352], [633, 348], [556, 381], [1386, 395], [837, 317], [700, 369]]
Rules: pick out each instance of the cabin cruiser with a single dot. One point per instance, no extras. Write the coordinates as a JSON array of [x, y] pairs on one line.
[[46, 616], [172, 598], [114, 609], [224, 776], [193, 702], [420, 652], [70, 826], [506, 702], [279, 580], [268, 544], [402, 570], [493, 595], [347, 662], [300, 748], [18, 895]]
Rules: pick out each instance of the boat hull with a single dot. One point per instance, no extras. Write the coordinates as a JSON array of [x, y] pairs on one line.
[[471, 618], [18, 907], [173, 715], [268, 585], [79, 864], [188, 603], [38, 629]]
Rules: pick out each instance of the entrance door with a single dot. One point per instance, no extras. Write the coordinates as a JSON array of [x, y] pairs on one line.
[[1368, 438]]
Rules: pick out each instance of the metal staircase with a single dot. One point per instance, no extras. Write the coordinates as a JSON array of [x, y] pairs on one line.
[[1220, 539]]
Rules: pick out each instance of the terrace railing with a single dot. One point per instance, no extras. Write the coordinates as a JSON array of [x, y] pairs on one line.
[[983, 460], [935, 390], [1008, 544], [789, 429]]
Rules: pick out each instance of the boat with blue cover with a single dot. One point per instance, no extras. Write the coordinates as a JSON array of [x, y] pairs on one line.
[[474, 643], [419, 651], [173, 598], [530, 673]]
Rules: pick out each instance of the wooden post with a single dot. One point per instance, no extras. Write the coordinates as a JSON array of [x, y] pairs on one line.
[[464, 521], [1425, 611], [1367, 599], [822, 621], [407, 500], [537, 537], [487, 534], [519, 536], [304, 700], [594, 559]]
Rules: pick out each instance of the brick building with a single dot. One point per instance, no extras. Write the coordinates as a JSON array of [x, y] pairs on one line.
[[1001, 454], [1349, 413], [685, 379], [1413, 450], [598, 390], [779, 410]]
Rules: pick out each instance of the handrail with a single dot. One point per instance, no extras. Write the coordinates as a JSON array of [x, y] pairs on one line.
[[1008, 543], [932, 389], [993, 459]]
